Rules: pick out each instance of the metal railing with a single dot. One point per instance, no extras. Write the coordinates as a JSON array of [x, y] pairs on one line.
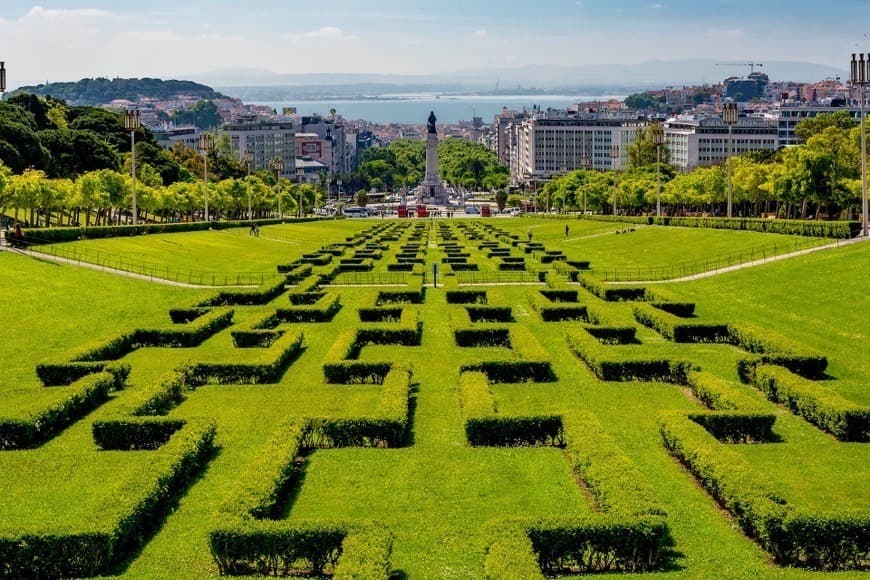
[[498, 277], [151, 270], [371, 278], [709, 264]]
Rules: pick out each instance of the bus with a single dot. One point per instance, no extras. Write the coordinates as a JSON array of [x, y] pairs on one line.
[[402, 211], [355, 212], [484, 210], [421, 210]]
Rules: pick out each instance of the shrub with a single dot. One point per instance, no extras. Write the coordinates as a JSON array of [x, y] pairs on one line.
[[323, 310], [609, 365], [719, 395], [612, 293], [380, 314], [44, 423], [737, 427], [255, 338], [135, 433], [266, 369], [365, 555], [555, 312], [816, 403], [466, 297], [489, 314], [340, 368], [807, 228], [511, 555], [775, 349], [677, 329], [482, 337], [263, 294]]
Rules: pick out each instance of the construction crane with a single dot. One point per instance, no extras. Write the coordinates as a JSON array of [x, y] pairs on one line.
[[751, 65]]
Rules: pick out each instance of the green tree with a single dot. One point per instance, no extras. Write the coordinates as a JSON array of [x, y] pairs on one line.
[[812, 126]]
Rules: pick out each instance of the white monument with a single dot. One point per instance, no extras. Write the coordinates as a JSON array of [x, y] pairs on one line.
[[432, 189]]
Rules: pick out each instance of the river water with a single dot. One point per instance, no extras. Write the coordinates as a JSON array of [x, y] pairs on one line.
[[408, 109]]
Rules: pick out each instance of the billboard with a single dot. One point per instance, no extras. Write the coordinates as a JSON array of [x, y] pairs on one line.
[[312, 149], [289, 111]]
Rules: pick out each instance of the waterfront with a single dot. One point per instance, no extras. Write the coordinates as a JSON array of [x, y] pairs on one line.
[[415, 108]]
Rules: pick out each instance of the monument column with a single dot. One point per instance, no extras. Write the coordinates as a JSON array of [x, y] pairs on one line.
[[431, 190]]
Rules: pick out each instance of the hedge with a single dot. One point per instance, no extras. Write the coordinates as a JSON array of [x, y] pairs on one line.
[[483, 337], [614, 481], [262, 488], [558, 311], [86, 553], [388, 314], [612, 335], [737, 427], [260, 295], [164, 395], [490, 313], [414, 294], [340, 366], [511, 555], [612, 293], [824, 540], [809, 228], [815, 402], [54, 235], [679, 329], [775, 349], [255, 338], [533, 366], [134, 433], [466, 297], [265, 369], [305, 298], [670, 302], [297, 274], [365, 555], [567, 269], [323, 310], [42, 424], [609, 365], [719, 395]]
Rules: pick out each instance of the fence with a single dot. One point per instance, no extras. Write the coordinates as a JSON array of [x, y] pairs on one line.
[[499, 277], [372, 278], [710, 264], [154, 271]]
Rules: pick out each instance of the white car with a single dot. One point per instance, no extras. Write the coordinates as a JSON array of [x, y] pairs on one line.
[[472, 210]]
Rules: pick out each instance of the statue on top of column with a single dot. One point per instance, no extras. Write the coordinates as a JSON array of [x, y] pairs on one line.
[[431, 123]]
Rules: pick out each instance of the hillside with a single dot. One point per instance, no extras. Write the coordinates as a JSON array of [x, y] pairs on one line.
[[99, 91]]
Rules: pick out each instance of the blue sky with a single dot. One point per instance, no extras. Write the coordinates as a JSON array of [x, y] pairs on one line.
[[69, 39]]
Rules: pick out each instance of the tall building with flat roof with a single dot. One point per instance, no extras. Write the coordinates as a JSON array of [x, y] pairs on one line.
[[265, 139], [790, 115], [703, 141]]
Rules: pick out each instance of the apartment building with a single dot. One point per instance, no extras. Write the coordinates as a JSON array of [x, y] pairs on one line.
[[265, 139], [695, 141]]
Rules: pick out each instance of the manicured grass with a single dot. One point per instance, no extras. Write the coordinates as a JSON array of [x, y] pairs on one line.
[[437, 493]]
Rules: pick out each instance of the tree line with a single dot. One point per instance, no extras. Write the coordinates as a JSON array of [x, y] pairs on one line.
[[819, 178]]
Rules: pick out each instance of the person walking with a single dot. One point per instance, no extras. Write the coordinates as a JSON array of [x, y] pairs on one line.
[[567, 230]]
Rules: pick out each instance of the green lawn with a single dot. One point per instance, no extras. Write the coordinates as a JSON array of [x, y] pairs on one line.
[[436, 494]]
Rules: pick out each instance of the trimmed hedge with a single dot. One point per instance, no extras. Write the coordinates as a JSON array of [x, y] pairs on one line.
[[617, 485], [818, 404], [260, 295], [719, 395], [255, 338], [135, 433], [390, 314], [365, 554], [511, 555], [323, 310], [737, 427], [490, 313], [678, 329], [828, 541], [297, 274], [551, 311], [612, 293], [86, 553], [266, 369], [608, 365], [612, 335], [482, 337], [42, 424], [809, 228], [414, 294], [340, 366], [533, 366], [466, 297], [775, 349]]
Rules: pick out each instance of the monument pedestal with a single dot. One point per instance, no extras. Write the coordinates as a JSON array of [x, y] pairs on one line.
[[432, 190]]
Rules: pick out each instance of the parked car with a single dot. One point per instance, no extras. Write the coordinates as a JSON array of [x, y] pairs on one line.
[[472, 210]]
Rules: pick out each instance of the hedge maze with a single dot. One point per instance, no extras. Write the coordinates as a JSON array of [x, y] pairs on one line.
[[528, 427]]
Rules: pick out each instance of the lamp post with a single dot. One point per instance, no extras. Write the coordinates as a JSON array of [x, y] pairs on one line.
[[249, 165], [2, 79], [205, 144], [614, 159], [860, 77], [730, 116], [132, 123], [584, 161], [658, 139], [277, 167]]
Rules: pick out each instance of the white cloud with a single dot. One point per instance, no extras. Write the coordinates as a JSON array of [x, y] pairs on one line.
[[480, 33], [328, 32]]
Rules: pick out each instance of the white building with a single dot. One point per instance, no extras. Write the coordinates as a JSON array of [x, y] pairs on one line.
[[552, 144], [703, 141], [266, 139], [791, 114]]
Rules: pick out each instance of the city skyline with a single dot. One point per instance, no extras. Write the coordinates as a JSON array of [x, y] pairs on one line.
[[65, 40]]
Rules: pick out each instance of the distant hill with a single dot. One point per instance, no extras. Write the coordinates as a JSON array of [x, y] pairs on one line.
[[100, 91]]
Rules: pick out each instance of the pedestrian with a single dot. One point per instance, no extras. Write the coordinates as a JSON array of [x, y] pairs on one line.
[[18, 237], [530, 236], [567, 230], [253, 230]]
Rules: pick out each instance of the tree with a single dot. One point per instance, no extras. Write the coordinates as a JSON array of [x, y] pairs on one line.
[[812, 126], [74, 152], [501, 197], [643, 151], [362, 198], [203, 115]]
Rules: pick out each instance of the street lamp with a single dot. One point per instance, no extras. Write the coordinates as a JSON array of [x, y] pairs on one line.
[[249, 165], [2, 79], [277, 167], [860, 77], [614, 161], [132, 123], [730, 116], [205, 144], [658, 139], [584, 161]]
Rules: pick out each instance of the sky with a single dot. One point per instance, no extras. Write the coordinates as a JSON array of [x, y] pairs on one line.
[[65, 40]]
